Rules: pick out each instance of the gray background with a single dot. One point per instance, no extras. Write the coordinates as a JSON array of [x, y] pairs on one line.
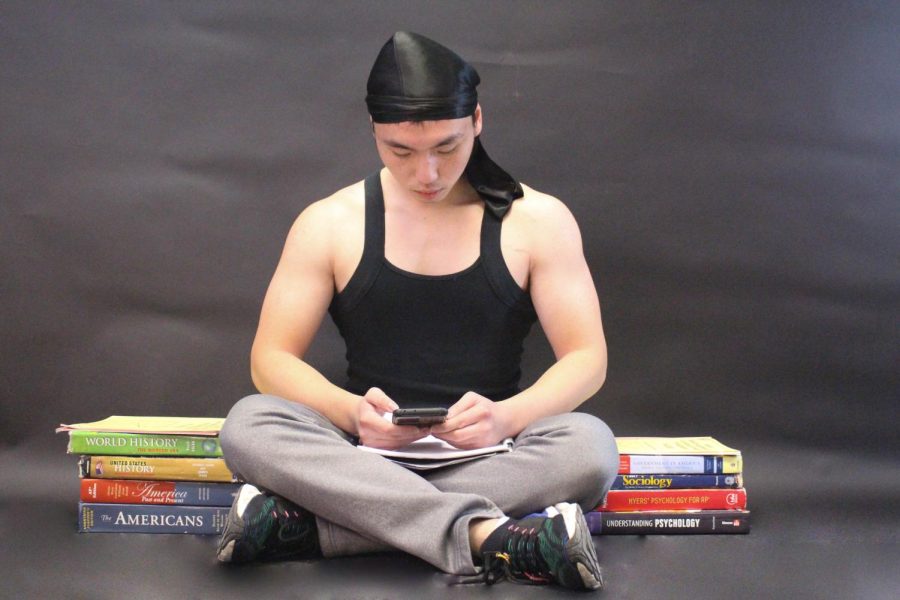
[[733, 166], [734, 169]]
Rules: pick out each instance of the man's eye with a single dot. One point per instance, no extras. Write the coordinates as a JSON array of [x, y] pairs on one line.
[[447, 150], [402, 154]]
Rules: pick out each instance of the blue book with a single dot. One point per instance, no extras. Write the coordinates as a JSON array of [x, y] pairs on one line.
[[689, 464], [663, 481], [144, 518]]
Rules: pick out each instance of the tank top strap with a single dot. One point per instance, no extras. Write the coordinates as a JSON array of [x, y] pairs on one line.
[[373, 247], [496, 270], [374, 240]]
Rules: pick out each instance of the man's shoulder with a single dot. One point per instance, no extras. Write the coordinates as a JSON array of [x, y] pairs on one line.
[[538, 200], [336, 208], [324, 220], [542, 211], [545, 228]]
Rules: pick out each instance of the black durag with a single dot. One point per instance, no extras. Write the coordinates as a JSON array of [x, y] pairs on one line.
[[416, 79]]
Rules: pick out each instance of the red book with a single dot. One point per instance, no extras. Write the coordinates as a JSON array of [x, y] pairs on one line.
[[136, 491], [686, 499]]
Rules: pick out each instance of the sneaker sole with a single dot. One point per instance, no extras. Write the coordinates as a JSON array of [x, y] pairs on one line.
[[234, 525], [580, 549]]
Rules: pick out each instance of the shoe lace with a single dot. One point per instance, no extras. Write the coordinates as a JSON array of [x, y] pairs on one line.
[[522, 562], [289, 520], [292, 530], [260, 525]]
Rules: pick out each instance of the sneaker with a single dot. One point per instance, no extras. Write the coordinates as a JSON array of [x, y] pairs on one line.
[[265, 526], [550, 547]]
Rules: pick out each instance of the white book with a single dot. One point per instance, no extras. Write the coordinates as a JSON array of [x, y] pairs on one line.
[[431, 453]]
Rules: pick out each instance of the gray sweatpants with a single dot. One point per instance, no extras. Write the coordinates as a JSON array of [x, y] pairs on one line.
[[365, 503]]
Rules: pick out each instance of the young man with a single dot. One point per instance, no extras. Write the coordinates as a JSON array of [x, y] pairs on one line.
[[434, 270]]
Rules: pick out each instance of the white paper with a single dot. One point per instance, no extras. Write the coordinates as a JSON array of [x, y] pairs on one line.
[[432, 448]]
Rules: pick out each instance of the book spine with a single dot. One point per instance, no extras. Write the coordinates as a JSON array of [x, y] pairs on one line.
[[654, 500], [142, 444], [630, 464], [140, 518], [662, 481], [668, 522], [155, 468], [158, 492]]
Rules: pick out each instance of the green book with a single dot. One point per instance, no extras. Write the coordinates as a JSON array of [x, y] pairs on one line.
[[142, 444]]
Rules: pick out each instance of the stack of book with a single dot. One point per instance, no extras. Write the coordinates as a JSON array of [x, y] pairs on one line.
[[151, 475], [674, 486]]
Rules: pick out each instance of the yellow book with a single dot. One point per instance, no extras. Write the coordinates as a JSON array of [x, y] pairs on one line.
[[155, 468], [162, 425], [687, 446], [684, 455]]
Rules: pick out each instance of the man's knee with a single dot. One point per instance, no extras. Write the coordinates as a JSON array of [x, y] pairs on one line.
[[241, 436], [238, 424], [592, 458]]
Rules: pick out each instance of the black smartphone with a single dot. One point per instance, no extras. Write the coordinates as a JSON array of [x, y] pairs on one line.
[[421, 417]]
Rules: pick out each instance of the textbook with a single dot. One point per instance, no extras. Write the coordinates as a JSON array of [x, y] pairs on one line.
[[648, 500], [679, 522], [673, 446], [683, 455], [662, 481], [630, 464], [135, 491], [141, 518], [82, 441], [155, 467], [162, 425], [431, 453]]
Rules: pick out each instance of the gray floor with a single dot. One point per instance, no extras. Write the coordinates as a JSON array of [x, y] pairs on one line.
[[824, 526]]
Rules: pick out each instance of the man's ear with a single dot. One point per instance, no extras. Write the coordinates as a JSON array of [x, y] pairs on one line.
[[477, 120], [372, 124]]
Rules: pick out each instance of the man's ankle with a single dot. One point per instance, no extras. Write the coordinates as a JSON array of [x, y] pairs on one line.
[[480, 530]]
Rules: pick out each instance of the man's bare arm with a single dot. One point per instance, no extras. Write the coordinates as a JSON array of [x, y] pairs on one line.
[[295, 304], [565, 298]]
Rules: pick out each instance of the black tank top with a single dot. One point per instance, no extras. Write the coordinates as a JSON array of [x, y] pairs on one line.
[[428, 339]]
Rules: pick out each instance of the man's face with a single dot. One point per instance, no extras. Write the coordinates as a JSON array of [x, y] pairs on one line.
[[427, 158]]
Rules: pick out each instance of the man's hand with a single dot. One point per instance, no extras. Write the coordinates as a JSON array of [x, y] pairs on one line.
[[473, 422], [376, 431]]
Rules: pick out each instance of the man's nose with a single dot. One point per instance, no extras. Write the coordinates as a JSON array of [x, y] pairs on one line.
[[427, 168]]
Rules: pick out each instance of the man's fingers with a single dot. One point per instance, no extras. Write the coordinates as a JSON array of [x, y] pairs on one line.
[[452, 424], [380, 400], [463, 404], [460, 439], [392, 442], [470, 413], [458, 421]]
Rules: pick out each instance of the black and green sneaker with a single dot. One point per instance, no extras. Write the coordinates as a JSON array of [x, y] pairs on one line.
[[554, 546], [263, 526]]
